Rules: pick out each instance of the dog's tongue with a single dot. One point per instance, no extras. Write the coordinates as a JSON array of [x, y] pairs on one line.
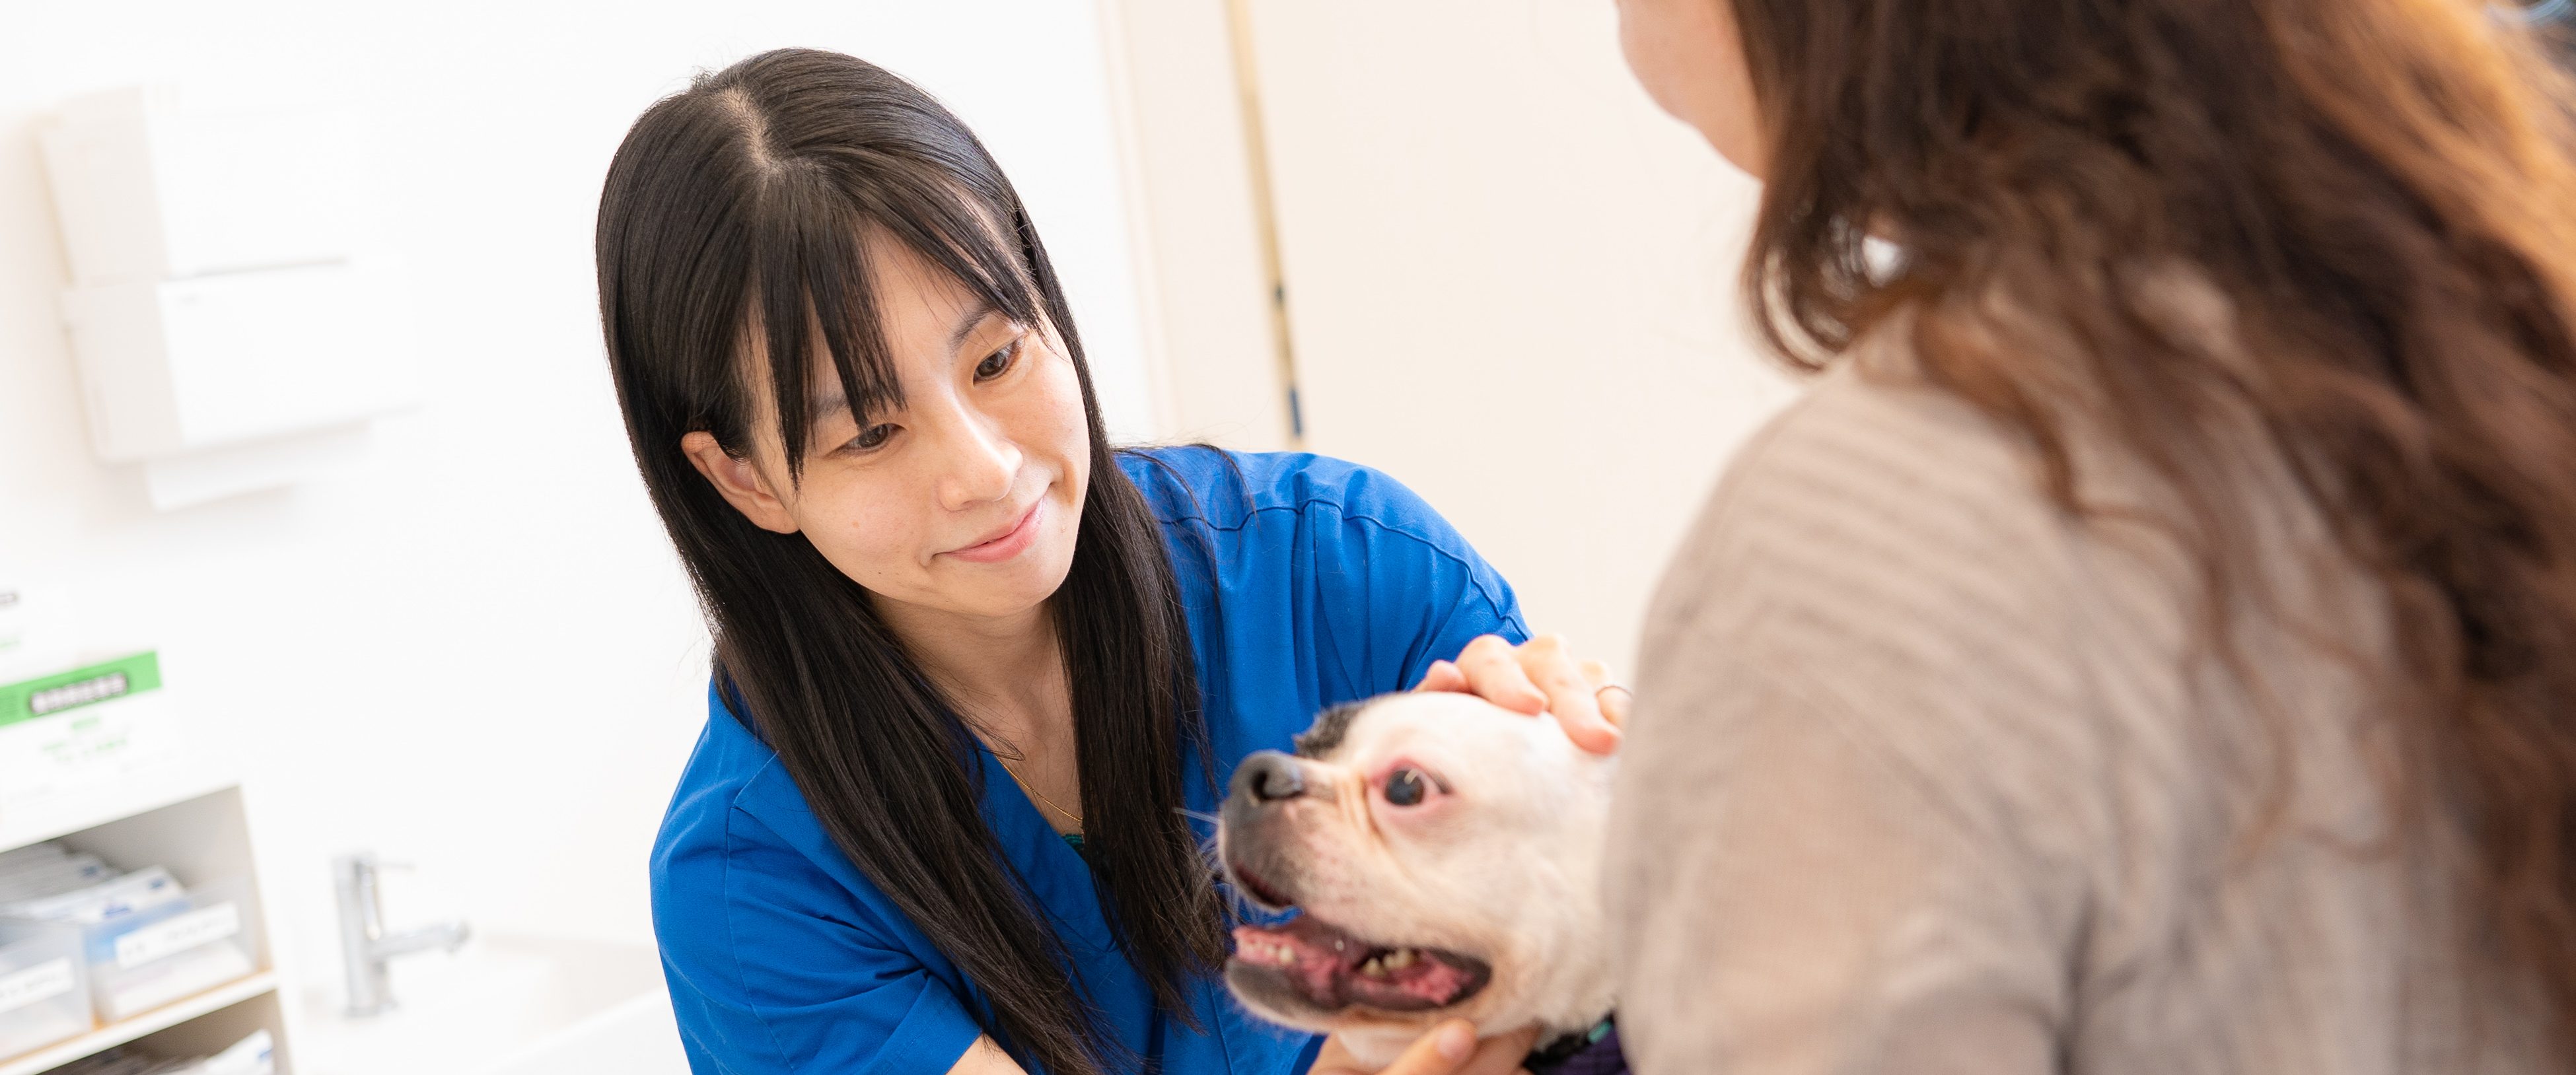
[[1334, 969]]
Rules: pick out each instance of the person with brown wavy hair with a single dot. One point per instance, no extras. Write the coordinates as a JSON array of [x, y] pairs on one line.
[[2150, 646]]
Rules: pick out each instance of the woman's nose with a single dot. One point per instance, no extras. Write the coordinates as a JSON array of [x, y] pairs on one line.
[[980, 465]]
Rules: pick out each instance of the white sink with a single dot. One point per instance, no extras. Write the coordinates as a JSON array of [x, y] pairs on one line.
[[502, 1006]]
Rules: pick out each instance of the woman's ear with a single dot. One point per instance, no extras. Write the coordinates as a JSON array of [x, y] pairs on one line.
[[740, 481]]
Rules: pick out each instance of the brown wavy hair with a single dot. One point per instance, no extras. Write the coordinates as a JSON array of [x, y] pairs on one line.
[[2383, 191]]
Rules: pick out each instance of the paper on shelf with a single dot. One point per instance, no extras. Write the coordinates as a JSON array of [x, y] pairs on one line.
[[254, 1055], [32, 877], [134, 893]]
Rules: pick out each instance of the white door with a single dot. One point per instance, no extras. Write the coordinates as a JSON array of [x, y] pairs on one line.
[[1510, 280]]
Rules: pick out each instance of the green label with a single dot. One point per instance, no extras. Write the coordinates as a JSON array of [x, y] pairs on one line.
[[62, 692]]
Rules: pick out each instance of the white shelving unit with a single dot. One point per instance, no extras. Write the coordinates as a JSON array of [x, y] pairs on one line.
[[188, 817], [139, 792]]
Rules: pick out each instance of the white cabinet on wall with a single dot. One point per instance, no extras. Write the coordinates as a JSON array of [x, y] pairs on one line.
[[153, 183], [232, 330], [181, 366]]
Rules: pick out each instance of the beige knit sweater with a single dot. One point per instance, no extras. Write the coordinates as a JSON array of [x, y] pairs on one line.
[[1925, 777]]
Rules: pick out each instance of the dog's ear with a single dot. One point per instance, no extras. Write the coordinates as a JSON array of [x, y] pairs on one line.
[[1329, 728]]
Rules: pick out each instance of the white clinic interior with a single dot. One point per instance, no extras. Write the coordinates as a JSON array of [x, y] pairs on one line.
[[462, 644]]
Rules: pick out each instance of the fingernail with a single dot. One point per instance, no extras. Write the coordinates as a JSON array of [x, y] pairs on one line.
[[1456, 1041]]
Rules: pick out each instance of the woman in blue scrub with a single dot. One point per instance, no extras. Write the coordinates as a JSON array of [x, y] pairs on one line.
[[978, 676]]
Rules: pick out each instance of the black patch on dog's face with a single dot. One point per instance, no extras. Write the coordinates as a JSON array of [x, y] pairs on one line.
[[1327, 732]]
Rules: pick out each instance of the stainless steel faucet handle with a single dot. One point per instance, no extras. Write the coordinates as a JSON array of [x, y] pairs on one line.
[[367, 862]]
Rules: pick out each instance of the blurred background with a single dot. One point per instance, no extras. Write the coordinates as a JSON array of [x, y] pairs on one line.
[[401, 659]]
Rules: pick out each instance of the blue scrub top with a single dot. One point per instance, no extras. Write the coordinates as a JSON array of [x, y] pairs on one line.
[[1318, 582]]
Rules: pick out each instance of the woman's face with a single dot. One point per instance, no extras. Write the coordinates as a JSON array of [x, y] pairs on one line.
[[1690, 58], [962, 502]]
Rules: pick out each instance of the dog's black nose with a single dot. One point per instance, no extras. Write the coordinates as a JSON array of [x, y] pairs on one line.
[[1269, 776]]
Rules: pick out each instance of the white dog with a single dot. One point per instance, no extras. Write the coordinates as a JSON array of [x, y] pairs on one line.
[[1446, 857]]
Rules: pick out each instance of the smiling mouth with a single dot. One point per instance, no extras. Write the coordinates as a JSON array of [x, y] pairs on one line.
[[1009, 542]]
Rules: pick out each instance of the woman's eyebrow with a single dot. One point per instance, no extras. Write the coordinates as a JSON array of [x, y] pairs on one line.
[[831, 401], [973, 318], [826, 405]]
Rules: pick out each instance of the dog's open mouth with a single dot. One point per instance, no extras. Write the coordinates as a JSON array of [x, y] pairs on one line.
[[1333, 969]]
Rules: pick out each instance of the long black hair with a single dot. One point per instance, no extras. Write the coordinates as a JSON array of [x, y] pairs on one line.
[[739, 206]]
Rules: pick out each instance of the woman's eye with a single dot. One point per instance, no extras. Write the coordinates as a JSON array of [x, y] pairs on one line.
[[872, 436], [997, 363], [1404, 787]]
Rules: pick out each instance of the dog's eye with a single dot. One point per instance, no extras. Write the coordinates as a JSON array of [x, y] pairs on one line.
[[1404, 787]]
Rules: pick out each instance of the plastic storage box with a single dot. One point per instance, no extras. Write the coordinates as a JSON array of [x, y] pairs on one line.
[[44, 990], [141, 961]]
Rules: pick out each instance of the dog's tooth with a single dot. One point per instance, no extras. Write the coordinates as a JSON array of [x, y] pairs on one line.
[[1399, 959], [1287, 956], [1373, 966]]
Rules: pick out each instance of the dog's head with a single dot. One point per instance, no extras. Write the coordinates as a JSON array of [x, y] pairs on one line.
[[1445, 855]]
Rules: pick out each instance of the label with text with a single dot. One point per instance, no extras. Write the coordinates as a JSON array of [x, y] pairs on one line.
[[44, 981], [177, 934]]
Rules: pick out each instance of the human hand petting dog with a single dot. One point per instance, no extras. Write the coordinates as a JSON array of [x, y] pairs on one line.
[[1539, 676], [1449, 1049]]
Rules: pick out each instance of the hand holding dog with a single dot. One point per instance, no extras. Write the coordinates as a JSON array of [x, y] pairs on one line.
[[1449, 1049], [1539, 676]]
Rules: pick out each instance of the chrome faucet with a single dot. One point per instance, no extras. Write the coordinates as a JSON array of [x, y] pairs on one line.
[[365, 946]]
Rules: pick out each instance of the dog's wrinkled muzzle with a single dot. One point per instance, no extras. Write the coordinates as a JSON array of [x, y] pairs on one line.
[[1254, 825], [1306, 962]]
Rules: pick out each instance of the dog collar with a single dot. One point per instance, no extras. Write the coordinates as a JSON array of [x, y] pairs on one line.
[[1592, 1052]]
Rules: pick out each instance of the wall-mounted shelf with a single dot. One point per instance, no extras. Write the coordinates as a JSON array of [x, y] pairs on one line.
[[186, 816], [134, 793]]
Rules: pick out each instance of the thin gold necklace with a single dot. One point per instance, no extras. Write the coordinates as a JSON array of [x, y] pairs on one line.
[[1034, 793]]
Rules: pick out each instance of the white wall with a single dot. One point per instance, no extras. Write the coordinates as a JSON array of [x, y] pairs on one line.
[[475, 652], [1512, 283]]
